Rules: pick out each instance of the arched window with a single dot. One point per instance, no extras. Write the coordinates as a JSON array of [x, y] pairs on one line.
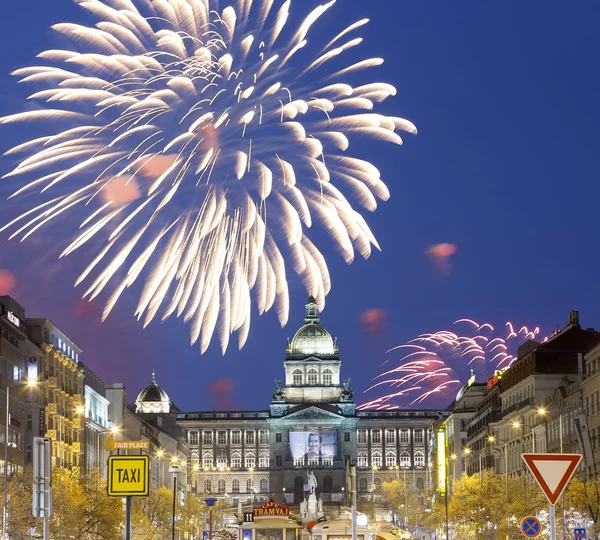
[[249, 486], [390, 459], [362, 484], [362, 459], [376, 459], [263, 461], [299, 484], [404, 459], [221, 486], [420, 483], [419, 459], [250, 460], [236, 460], [235, 486], [297, 377], [377, 484], [264, 485], [327, 376], [313, 377], [327, 484], [207, 486]]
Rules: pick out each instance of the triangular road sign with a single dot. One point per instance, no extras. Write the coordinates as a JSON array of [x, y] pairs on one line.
[[552, 472]]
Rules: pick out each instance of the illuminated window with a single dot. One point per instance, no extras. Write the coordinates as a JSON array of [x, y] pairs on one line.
[[376, 436], [221, 437], [235, 486], [221, 462], [264, 485], [419, 459], [418, 436], [207, 437], [249, 486], [250, 460], [236, 437], [207, 486], [263, 461], [404, 459], [390, 436], [362, 436], [362, 484], [221, 486], [250, 437], [313, 378], [207, 462], [297, 377], [390, 459], [193, 436], [263, 436], [376, 460], [404, 436], [327, 377], [236, 460]]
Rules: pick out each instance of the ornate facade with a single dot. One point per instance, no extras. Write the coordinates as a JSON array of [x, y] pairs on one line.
[[312, 423]]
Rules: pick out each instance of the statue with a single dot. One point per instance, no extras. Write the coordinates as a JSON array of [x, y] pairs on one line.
[[303, 507], [347, 392], [312, 482], [278, 391], [320, 507]]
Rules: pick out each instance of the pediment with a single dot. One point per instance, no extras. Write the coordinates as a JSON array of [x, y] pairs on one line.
[[313, 413]]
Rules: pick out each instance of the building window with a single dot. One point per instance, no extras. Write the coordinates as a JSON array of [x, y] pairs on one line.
[[278, 461], [419, 459], [250, 460], [404, 459], [207, 486], [207, 462], [313, 378], [376, 436], [263, 436], [236, 437], [346, 436], [278, 437], [221, 437], [390, 436], [264, 485], [235, 486], [404, 436], [376, 460], [297, 377], [236, 460], [221, 462], [362, 485], [263, 461], [250, 437], [193, 437], [390, 459], [207, 437], [362, 460], [249, 486], [362, 436], [327, 377], [418, 436], [221, 486]]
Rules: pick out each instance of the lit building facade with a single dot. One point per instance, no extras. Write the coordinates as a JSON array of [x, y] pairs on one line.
[[312, 423]]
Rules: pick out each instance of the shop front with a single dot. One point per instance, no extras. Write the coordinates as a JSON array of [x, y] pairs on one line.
[[270, 521]]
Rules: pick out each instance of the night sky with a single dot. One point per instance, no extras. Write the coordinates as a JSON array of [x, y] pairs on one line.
[[505, 166]]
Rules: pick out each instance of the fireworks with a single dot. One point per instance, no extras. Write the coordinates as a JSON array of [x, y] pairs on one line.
[[435, 364], [197, 145]]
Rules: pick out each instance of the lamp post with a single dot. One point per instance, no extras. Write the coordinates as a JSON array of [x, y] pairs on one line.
[[210, 502], [175, 468], [404, 467], [8, 385], [516, 424], [493, 439]]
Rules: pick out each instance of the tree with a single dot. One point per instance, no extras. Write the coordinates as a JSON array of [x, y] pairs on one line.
[[152, 515], [584, 496]]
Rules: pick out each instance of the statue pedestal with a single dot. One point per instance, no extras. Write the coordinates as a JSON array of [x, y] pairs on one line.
[[314, 509]]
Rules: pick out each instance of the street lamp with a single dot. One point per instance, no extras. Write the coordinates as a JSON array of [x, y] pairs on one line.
[[9, 385], [175, 468], [516, 424], [493, 439]]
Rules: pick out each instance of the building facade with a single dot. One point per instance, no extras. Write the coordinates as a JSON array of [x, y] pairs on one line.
[[312, 423]]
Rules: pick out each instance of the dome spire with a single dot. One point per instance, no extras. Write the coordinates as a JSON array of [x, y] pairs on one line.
[[312, 311], [153, 373]]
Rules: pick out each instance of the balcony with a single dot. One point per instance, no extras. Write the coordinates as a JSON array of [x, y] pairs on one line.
[[518, 406]]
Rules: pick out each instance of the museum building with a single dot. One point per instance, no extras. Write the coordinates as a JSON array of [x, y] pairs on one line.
[[313, 424]]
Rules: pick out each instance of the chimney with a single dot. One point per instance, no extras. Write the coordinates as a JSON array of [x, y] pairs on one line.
[[574, 317]]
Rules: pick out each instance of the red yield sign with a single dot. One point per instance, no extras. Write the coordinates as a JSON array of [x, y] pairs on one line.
[[552, 472]]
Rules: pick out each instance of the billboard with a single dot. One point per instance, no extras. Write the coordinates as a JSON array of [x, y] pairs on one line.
[[313, 446]]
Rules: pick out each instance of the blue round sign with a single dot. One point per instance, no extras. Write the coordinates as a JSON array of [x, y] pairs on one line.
[[531, 527]]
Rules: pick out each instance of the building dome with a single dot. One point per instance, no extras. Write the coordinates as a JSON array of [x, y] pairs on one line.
[[312, 338], [153, 399]]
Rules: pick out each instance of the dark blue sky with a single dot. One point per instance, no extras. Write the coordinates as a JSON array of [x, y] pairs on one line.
[[505, 166]]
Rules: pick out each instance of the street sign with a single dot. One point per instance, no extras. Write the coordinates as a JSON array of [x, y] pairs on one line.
[[110, 444], [579, 534], [552, 472], [531, 527], [248, 517], [128, 476]]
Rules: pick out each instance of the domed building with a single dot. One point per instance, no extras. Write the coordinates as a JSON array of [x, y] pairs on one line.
[[153, 399]]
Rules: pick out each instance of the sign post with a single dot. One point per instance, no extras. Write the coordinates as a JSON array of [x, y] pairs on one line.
[[128, 476], [42, 481], [552, 472]]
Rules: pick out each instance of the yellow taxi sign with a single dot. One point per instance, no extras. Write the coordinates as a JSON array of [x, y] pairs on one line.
[[128, 476]]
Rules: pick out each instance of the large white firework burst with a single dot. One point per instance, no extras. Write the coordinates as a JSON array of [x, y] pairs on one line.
[[198, 148]]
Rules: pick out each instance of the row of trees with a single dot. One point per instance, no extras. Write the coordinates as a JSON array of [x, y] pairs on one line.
[[478, 508], [82, 510]]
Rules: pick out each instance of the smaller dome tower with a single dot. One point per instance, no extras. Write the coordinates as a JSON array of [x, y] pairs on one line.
[[153, 399]]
